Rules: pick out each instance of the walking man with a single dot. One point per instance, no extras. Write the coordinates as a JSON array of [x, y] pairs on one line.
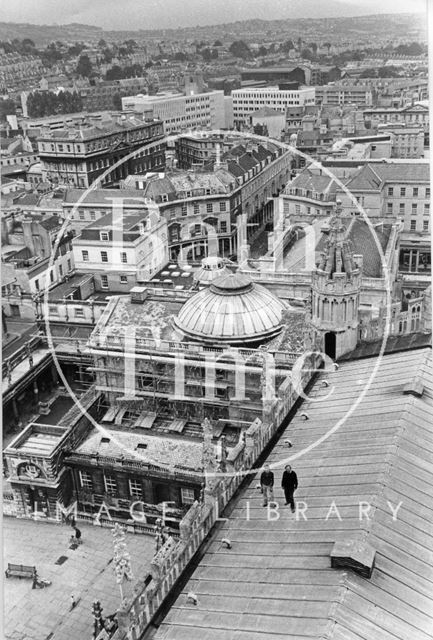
[[267, 485], [289, 482]]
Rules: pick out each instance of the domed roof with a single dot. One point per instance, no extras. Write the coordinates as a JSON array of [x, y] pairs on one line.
[[233, 310]]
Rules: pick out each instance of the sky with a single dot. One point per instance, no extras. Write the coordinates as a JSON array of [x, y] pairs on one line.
[[154, 14]]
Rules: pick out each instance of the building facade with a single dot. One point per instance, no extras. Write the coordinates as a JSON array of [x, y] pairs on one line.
[[181, 112], [79, 155], [247, 101]]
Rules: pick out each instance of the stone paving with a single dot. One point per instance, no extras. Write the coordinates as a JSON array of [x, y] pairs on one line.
[[87, 574]]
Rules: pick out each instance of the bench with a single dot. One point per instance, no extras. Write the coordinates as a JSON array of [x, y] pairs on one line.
[[21, 571]]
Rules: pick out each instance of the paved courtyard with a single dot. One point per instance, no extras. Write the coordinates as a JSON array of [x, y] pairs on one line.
[[87, 574]]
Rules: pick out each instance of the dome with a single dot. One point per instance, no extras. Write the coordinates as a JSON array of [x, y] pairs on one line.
[[211, 269], [233, 310]]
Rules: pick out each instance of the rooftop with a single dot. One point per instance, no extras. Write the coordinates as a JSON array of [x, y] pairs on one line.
[[276, 581], [174, 453]]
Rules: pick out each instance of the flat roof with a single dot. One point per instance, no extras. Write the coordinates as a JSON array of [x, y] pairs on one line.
[[150, 449]]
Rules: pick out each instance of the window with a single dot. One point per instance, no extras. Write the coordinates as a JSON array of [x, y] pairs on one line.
[[104, 256], [187, 496], [223, 226], [69, 265], [401, 207], [209, 207], [110, 485], [85, 255], [104, 282], [123, 279], [196, 208], [402, 192], [86, 480], [427, 192], [414, 208], [297, 209], [135, 489], [413, 225], [425, 225], [92, 215], [223, 206], [51, 276], [427, 208], [81, 215], [123, 257], [79, 312], [390, 191], [104, 236], [389, 207], [184, 209], [60, 270], [415, 192]]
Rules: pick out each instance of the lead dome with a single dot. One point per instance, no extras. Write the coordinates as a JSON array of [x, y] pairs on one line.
[[233, 311]]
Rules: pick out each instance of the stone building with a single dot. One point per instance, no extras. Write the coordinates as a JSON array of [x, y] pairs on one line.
[[78, 155]]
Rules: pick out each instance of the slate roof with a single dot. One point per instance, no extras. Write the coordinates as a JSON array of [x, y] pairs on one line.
[[276, 581], [321, 183], [103, 196], [372, 177], [364, 243]]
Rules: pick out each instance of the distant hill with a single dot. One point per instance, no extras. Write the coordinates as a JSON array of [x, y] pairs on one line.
[[396, 25], [44, 34]]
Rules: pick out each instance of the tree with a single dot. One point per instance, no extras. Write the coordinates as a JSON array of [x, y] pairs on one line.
[[102, 44], [287, 46], [76, 49], [369, 73], [117, 102], [240, 50], [7, 108], [209, 54], [262, 51], [217, 43], [307, 54], [181, 56], [388, 72], [84, 66]]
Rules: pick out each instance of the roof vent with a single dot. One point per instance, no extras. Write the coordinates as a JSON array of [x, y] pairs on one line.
[[138, 295], [141, 445], [355, 555], [105, 440], [414, 387]]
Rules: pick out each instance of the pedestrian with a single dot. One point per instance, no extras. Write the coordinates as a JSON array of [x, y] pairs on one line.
[[267, 485], [289, 482], [77, 535]]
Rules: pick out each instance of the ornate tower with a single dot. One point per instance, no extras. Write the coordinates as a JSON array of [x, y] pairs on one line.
[[336, 285]]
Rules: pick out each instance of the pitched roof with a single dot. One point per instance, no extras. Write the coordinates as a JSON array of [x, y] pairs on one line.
[[276, 581], [313, 181], [103, 196], [373, 177]]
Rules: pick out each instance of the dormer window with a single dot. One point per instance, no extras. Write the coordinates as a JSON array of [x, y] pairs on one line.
[[104, 236]]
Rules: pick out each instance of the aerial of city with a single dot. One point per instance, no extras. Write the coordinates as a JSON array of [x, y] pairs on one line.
[[217, 374]]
